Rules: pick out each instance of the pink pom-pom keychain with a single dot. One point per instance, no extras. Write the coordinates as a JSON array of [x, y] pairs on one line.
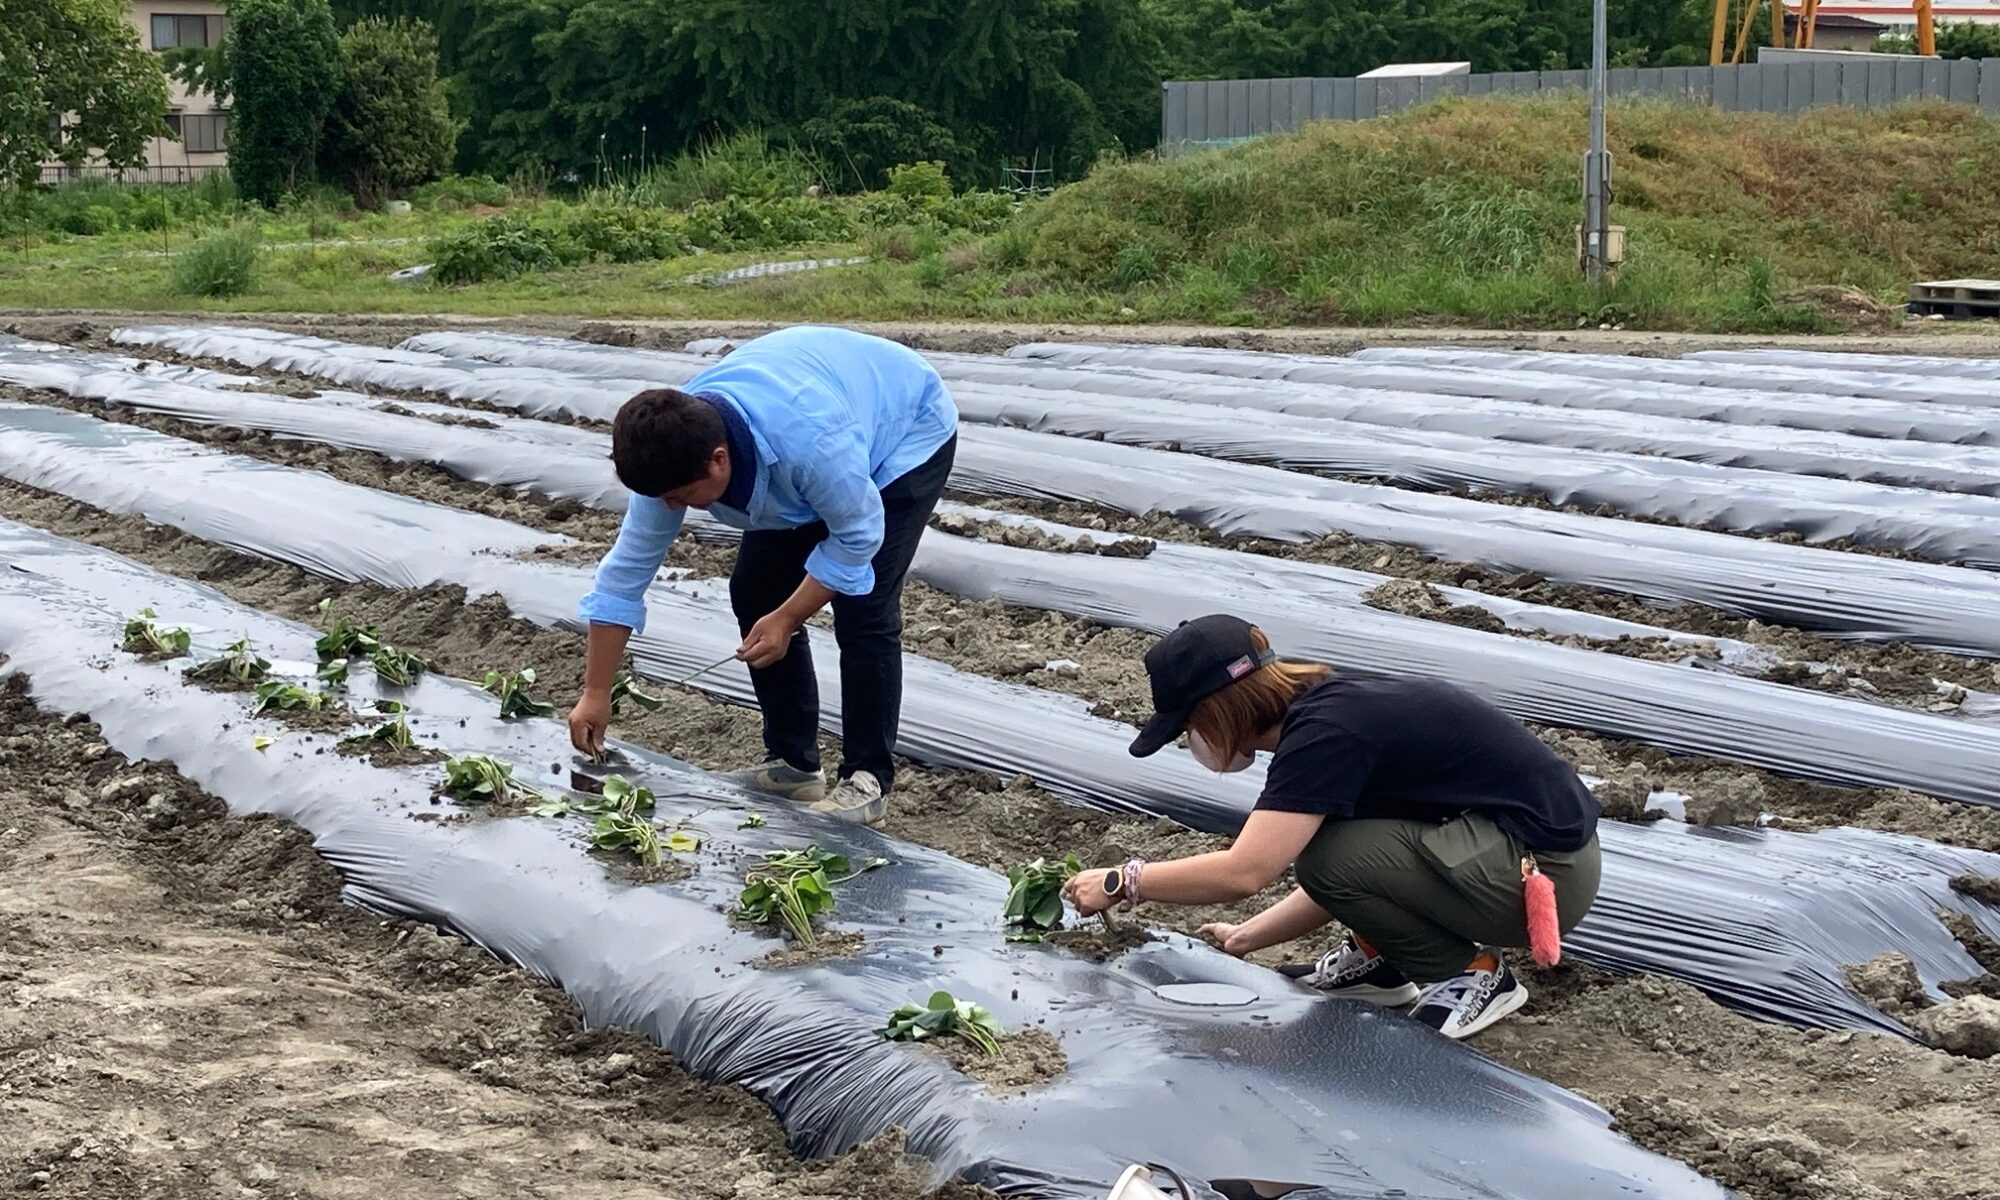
[[1544, 930]]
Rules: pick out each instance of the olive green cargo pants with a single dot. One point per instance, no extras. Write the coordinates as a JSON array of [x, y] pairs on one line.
[[1429, 896]]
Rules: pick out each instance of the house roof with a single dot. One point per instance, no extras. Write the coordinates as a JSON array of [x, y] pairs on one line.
[[1836, 21]]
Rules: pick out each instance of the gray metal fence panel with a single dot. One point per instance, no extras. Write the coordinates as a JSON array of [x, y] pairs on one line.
[[1322, 99], [1825, 83], [1478, 85], [1345, 106], [1239, 107], [1214, 113], [1909, 81], [1259, 106], [1367, 98], [1962, 86], [1853, 90], [1728, 85], [1989, 85], [1173, 113], [1881, 84], [1302, 100], [1771, 87], [1396, 94], [1623, 79], [1937, 78]]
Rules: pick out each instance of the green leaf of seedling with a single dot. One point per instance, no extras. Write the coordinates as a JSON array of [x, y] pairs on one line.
[[396, 668], [622, 689], [753, 821], [144, 635], [333, 672], [681, 842], [552, 806], [392, 707], [238, 664], [261, 743], [515, 700]]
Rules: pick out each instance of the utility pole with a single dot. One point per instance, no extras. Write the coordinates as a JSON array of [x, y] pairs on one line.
[[1596, 163]]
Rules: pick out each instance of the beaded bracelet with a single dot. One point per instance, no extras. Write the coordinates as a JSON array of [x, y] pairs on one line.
[[1131, 888]]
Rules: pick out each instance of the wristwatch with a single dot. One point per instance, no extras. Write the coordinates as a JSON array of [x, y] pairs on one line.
[[1114, 881]]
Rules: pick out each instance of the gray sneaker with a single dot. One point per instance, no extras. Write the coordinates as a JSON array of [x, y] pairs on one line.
[[856, 798], [780, 778]]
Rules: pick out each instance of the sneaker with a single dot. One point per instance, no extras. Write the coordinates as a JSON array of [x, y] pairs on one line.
[[780, 778], [1462, 1006], [856, 798], [1349, 972]]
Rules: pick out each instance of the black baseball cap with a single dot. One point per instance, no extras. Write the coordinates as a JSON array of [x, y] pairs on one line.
[[1200, 658]]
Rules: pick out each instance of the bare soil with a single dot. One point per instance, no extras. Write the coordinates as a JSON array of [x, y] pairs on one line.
[[190, 1012], [1970, 338], [795, 954], [1027, 1059]]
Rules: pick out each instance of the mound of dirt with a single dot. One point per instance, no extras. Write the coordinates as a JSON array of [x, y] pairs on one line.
[[1843, 307], [1413, 598], [1726, 798], [1097, 943], [1890, 984], [825, 946], [1968, 1026], [1026, 537], [1027, 1058], [1983, 888]]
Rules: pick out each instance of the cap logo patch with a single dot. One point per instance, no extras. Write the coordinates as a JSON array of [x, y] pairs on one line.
[[1241, 667]]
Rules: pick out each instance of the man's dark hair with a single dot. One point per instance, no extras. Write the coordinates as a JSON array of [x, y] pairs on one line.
[[663, 439]]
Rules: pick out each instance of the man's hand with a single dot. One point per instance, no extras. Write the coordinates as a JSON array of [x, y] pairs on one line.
[[589, 719], [768, 640]]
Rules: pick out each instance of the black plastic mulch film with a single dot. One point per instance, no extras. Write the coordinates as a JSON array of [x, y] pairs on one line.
[[1287, 1086], [1769, 725], [1843, 595], [1625, 470], [1761, 920]]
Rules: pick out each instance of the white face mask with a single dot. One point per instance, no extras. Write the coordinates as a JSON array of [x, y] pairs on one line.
[[1208, 756]]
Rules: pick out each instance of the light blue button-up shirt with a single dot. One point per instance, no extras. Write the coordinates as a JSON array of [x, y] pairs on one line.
[[836, 416]]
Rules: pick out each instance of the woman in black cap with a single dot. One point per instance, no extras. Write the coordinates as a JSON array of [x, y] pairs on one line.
[[1431, 824]]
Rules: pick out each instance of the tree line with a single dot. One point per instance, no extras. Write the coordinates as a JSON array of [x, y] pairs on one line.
[[379, 94]]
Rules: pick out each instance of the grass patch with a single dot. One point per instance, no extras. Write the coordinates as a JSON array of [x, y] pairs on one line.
[[221, 264], [1458, 212]]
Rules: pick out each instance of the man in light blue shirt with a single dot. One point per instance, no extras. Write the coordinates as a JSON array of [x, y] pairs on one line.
[[830, 449]]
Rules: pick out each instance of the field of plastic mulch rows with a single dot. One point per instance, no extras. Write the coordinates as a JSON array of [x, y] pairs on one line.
[[1857, 500]]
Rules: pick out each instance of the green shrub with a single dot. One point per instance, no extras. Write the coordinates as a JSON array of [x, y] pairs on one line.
[[390, 127], [922, 183], [221, 264], [455, 192], [904, 243], [735, 223], [497, 248], [1084, 244], [597, 233], [88, 221], [742, 166]]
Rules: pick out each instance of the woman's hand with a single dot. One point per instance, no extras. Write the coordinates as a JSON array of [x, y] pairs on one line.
[[1220, 932], [1085, 891]]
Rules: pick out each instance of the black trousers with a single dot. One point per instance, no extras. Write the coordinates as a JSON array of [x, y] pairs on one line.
[[869, 630]]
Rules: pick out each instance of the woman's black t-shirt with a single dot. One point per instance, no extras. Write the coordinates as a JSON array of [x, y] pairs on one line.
[[1424, 750]]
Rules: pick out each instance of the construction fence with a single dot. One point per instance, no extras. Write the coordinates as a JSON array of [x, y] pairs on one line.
[[1221, 111]]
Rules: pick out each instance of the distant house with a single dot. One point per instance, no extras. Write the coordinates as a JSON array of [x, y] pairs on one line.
[[200, 125], [1836, 31]]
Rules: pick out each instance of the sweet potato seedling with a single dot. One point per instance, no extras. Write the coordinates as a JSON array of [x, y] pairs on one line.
[[394, 734], [277, 694], [794, 886], [515, 700], [1034, 897], [333, 672], [946, 1016], [343, 639], [394, 667], [623, 824], [144, 635], [622, 689], [238, 664], [482, 779]]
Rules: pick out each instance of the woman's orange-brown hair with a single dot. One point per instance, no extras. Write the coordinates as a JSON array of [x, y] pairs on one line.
[[1235, 717]]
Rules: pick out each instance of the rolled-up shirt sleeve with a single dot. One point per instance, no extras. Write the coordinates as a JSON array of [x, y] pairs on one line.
[[836, 483], [644, 537]]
